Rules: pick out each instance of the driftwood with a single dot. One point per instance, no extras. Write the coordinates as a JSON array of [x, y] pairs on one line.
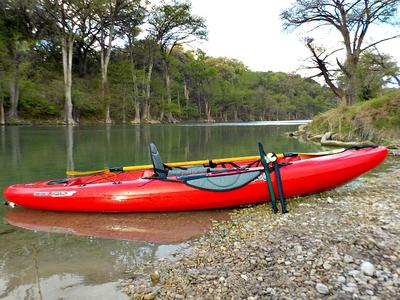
[[334, 143]]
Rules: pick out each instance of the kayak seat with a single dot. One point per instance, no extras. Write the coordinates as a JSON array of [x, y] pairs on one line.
[[162, 171], [221, 183]]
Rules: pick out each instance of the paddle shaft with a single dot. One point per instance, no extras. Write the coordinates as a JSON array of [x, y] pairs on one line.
[[194, 163]]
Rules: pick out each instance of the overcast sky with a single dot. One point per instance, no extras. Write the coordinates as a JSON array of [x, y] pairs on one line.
[[251, 31]]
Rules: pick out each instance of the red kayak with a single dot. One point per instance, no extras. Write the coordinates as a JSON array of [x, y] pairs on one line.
[[193, 187]]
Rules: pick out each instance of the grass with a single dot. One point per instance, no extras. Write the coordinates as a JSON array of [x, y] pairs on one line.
[[377, 120]]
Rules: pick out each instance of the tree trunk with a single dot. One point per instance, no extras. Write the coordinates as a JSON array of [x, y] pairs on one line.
[[82, 62], [2, 115], [67, 48], [136, 102], [207, 108], [235, 114], [225, 116], [124, 109], [104, 61], [104, 92], [170, 117], [146, 106], [186, 92], [14, 91]]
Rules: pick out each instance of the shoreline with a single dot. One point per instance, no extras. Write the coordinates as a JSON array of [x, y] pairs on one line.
[[57, 122], [341, 243], [331, 139]]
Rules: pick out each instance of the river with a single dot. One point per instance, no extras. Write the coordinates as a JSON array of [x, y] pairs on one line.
[[82, 256]]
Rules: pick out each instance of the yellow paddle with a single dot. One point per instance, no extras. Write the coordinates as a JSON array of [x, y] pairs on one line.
[[194, 163]]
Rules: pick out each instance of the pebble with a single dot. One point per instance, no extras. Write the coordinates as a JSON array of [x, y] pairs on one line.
[[350, 287], [367, 268], [149, 296], [327, 266], [354, 273], [369, 292], [348, 259], [155, 277], [322, 288], [329, 200], [314, 251]]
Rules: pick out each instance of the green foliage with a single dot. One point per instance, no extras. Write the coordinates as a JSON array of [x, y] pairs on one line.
[[34, 103], [377, 119], [201, 87]]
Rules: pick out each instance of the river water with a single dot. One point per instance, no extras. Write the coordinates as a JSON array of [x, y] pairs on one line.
[[82, 256]]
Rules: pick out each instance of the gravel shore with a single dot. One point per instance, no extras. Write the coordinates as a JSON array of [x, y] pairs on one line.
[[340, 244]]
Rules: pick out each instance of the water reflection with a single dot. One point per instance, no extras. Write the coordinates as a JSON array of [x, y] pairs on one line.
[[69, 264], [69, 139], [63, 260], [161, 228]]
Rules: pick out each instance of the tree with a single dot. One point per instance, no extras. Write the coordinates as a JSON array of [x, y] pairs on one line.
[[66, 15], [171, 25], [352, 19], [387, 64], [19, 26], [111, 14], [129, 28], [375, 71]]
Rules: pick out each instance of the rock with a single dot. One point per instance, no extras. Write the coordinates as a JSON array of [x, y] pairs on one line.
[[268, 259], [149, 296], [155, 277], [354, 273], [327, 266], [369, 292], [350, 287], [322, 288], [327, 248], [348, 259], [341, 279], [367, 268], [329, 200]]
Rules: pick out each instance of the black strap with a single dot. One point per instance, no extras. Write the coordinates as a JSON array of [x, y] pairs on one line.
[[280, 186], [161, 173], [268, 177]]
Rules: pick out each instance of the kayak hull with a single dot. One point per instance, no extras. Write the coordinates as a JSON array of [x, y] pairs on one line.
[[136, 192]]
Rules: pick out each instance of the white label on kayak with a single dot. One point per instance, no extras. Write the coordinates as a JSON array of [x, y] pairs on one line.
[[54, 194]]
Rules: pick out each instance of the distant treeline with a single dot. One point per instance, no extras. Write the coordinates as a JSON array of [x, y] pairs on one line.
[[83, 60]]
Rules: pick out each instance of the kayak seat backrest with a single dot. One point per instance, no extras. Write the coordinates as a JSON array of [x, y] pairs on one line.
[[220, 183], [159, 169]]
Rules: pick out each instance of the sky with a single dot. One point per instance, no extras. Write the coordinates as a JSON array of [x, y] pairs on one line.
[[251, 31]]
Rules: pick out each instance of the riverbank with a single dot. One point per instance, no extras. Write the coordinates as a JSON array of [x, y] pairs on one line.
[[338, 244], [375, 121]]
